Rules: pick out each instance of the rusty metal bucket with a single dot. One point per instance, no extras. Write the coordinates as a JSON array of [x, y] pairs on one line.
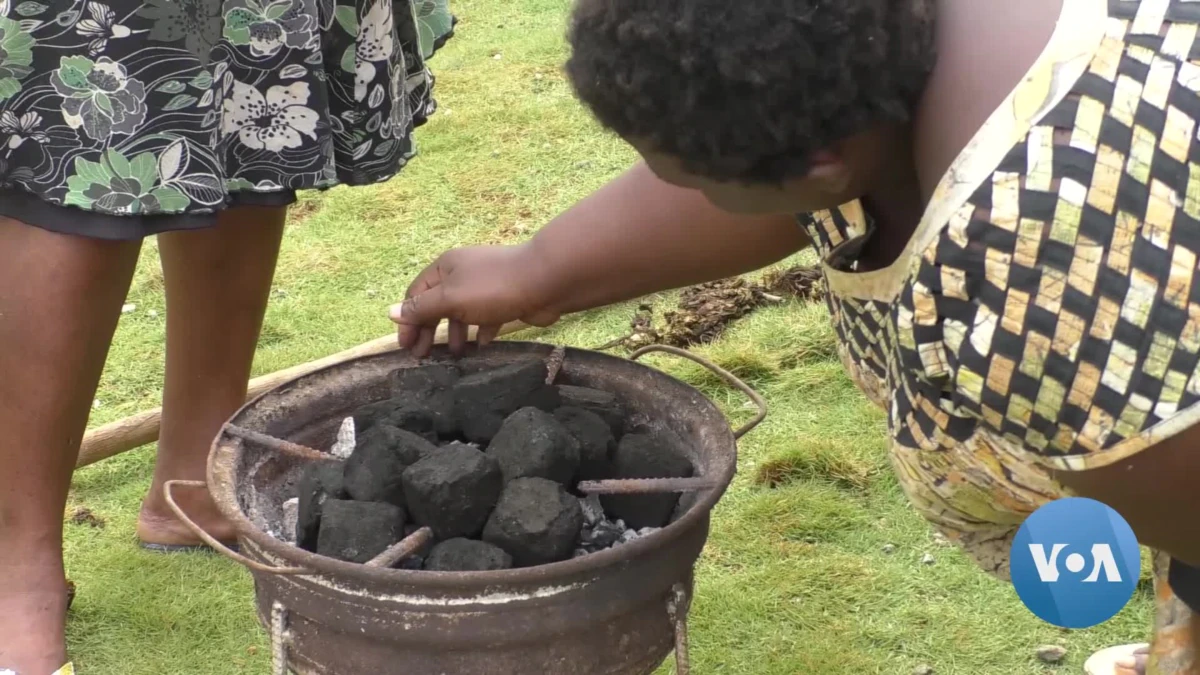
[[616, 612]]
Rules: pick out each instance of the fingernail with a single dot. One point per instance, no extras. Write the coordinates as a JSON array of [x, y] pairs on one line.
[[396, 312]]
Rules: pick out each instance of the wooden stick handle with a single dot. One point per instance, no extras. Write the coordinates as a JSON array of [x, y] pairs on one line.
[[142, 429]]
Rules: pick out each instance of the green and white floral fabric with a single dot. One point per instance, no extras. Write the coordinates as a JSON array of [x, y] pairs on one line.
[[149, 107]]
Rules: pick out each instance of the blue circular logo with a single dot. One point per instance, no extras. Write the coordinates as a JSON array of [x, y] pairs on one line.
[[1075, 563]]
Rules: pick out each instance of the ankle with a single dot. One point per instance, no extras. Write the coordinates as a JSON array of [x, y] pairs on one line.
[[158, 524], [30, 556], [33, 609]]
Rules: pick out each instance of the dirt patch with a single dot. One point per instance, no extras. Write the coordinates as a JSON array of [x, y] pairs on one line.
[[801, 283], [706, 310], [84, 516], [301, 210]]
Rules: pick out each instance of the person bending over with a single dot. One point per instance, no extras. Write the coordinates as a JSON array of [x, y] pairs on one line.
[[1009, 235]]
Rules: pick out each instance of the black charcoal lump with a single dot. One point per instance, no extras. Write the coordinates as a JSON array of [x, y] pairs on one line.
[[602, 403], [483, 400], [358, 531], [453, 490], [373, 470], [467, 555], [596, 442], [368, 415], [423, 381], [536, 522], [426, 390], [397, 413], [532, 444], [318, 483], [641, 456]]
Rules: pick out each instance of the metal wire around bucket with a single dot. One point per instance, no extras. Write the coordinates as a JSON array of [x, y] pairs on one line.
[[729, 377]]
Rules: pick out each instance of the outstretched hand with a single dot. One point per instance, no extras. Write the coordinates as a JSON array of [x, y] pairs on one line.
[[484, 286]]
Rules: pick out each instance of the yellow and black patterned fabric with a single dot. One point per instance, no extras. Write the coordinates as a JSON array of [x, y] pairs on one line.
[[1046, 313]]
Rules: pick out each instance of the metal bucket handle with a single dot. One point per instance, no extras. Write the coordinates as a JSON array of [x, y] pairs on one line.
[[213, 542], [729, 377], [679, 601]]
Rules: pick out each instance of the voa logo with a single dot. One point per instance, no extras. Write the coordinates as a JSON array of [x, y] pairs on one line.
[[1075, 563], [1102, 557]]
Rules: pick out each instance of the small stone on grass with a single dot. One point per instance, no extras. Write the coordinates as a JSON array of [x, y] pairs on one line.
[[1051, 654]]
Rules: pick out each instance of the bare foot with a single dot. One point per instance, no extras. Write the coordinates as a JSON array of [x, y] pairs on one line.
[[33, 615], [157, 524], [1134, 666]]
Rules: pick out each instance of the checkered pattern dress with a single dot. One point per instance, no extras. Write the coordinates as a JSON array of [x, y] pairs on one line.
[[1046, 313]]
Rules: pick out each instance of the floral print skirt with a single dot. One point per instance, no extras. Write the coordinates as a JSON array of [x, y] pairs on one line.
[[124, 118]]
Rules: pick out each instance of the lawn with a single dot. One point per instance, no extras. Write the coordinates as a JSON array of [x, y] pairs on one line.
[[795, 578]]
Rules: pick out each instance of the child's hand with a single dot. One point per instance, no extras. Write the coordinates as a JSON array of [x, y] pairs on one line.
[[485, 286]]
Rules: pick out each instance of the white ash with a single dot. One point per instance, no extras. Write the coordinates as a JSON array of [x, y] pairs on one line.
[[291, 513], [593, 510], [631, 535], [345, 440], [602, 535], [605, 534]]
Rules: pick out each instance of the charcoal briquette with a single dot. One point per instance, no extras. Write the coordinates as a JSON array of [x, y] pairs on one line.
[[429, 390], [597, 401], [533, 444], [373, 470], [483, 400], [423, 380], [535, 521], [467, 555], [358, 531], [596, 441], [641, 456], [406, 414], [453, 490], [368, 415], [319, 482], [417, 419]]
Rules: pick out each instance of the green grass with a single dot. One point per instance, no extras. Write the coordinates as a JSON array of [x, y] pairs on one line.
[[794, 579]]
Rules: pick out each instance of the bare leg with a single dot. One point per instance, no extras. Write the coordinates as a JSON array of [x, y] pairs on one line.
[[60, 299], [1172, 651], [218, 281]]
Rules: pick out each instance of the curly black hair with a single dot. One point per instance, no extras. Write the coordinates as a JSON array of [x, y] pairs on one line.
[[747, 90]]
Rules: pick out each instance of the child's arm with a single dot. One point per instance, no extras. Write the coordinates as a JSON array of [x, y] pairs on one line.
[[635, 236]]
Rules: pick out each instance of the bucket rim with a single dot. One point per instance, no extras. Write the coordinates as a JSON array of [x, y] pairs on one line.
[[225, 454]]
